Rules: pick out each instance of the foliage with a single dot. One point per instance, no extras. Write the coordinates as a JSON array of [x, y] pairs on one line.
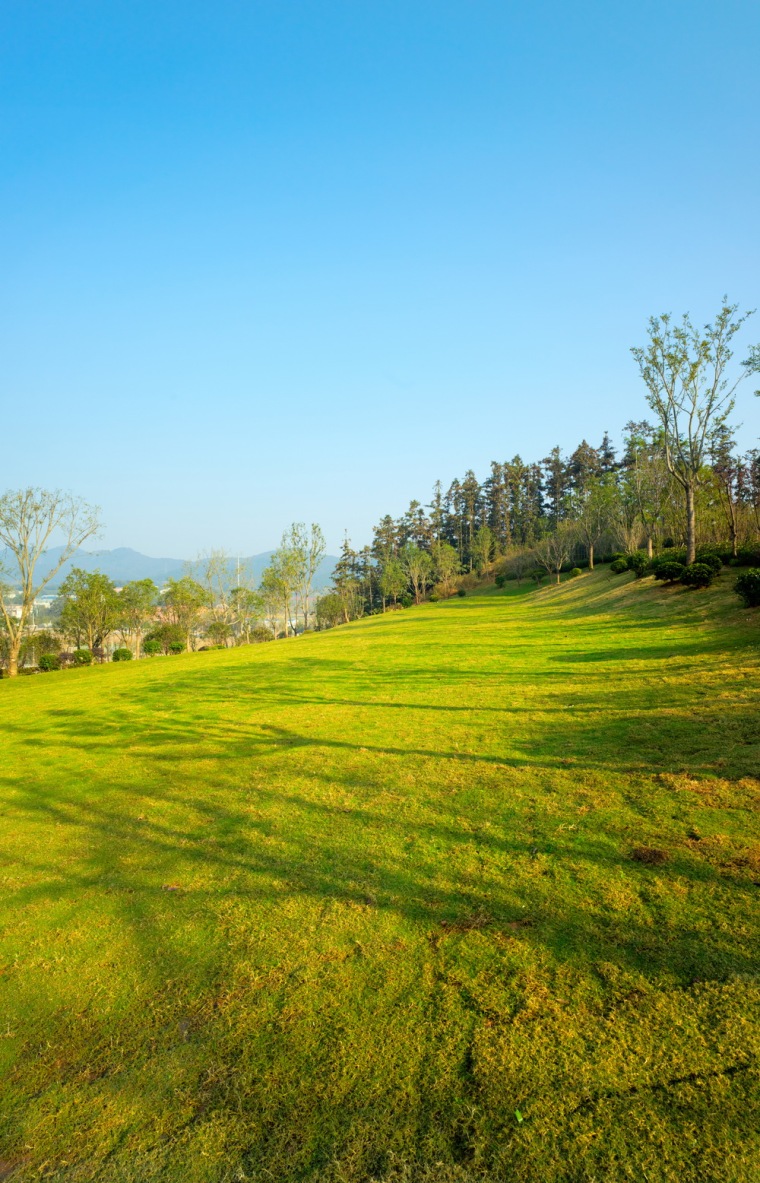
[[170, 638], [461, 592], [711, 560], [261, 633], [184, 602], [619, 566], [329, 610], [669, 572], [500, 579], [81, 657], [684, 370], [29, 519], [697, 575], [638, 562], [89, 607], [49, 661], [747, 587], [575, 572], [122, 654]]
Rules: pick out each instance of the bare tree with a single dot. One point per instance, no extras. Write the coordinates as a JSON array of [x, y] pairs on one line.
[[553, 551], [29, 519], [684, 370]]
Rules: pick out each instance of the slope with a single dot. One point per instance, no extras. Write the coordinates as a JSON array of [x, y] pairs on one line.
[[466, 892]]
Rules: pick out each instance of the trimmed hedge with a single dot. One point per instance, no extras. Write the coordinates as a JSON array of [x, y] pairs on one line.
[[697, 575]]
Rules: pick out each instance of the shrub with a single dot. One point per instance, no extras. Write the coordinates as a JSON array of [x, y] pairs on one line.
[[747, 587], [261, 633], [697, 575], [669, 572], [711, 560], [638, 562], [617, 554], [500, 580], [462, 592], [176, 647], [81, 657], [619, 566], [434, 598], [406, 600], [167, 635], [575, 572], [670, 554], [748, 556], [121, 655], [151, 648], [49, 661]]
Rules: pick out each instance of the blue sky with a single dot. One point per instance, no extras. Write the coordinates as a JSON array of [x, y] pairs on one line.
[[274, 261]]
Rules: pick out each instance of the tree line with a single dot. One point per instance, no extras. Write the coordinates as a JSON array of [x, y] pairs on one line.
[[678, 480], [214, 604]]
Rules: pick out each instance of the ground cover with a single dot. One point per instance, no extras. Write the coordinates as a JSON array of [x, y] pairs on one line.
[[463, 893]]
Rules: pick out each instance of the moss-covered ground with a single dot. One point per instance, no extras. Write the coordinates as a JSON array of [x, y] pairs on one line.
[[467, 892]]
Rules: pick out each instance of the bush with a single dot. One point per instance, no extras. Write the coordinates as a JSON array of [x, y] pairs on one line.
[[669, 572], [151, 648], [747, 587], [406, 600], [176, 647], [81, 657], [166, 635], [697, 575], [261, 633], [49, 661], [121, 655], [670, 554], [638, 562], [619, 566], [434, 597], [748, 556], [711, 560], [615, 556], [500, 580], [575, 572], [462, 592]]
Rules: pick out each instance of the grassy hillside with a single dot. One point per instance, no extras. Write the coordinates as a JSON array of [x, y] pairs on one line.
[[464, 893]]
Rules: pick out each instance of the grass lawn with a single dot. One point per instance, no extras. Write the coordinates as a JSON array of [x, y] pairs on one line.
[[468, 892]]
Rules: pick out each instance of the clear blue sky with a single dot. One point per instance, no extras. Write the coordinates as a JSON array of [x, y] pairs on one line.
[[270, 260]]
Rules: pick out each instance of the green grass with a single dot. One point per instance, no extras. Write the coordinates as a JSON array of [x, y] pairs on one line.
[[335, 909]]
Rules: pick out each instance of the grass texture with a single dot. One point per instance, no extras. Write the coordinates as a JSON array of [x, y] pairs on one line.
[[463, 893]]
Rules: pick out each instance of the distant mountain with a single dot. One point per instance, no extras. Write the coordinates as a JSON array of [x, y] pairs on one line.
[[123, 565]]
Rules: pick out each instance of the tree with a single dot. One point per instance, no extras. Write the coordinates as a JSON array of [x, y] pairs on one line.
[[482, 548], [246, 606], [89, 608], [306, 551], [29, 519], [684, 370], [136, 604], [184, 602], [418, 565], [553, 552], [593, 510], [446, 566], [393, 580]]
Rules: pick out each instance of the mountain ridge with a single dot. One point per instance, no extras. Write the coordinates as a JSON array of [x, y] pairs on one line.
[[124, 564]]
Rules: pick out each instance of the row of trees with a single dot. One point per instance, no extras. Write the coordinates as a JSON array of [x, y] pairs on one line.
[[678, 479], [215, 601]]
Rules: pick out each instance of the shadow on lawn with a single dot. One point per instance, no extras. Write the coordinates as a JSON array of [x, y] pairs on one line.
[[428, 868]]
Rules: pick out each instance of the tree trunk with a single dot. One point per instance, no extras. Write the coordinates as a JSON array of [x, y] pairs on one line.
[[15, 646], [650, 548], [557, 575], [591, 557], [691, 526]]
